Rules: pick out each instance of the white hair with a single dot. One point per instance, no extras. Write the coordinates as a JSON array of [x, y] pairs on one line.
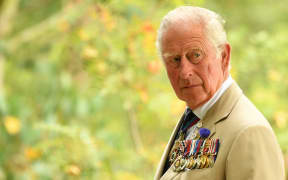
[[213, 24]]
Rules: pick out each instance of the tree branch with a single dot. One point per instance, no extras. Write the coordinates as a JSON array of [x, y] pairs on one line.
[[134, 128], [50, 23]]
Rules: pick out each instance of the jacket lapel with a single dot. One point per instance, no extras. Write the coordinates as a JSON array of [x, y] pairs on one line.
[[167, 150], [222, 108]]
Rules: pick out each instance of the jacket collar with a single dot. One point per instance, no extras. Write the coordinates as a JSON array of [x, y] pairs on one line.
[[222, 108]]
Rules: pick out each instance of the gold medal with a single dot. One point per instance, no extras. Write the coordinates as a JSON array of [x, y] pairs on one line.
[[203, 160], [207, 163], [176, 164], [183, 164], [210, 161], [197, 163], [194, 164], [190, 163], [180, 164]]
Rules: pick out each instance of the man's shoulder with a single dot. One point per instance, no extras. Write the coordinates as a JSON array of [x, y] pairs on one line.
[[246, 114], [243, 115]]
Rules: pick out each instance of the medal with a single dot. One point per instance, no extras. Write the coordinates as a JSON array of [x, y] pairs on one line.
[[203, 160], [183, 163], [177, 164], [190, 163], [197, 151], [180, 164], [198, 163]]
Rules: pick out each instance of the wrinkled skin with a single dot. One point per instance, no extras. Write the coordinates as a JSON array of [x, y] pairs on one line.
[[194, 70]]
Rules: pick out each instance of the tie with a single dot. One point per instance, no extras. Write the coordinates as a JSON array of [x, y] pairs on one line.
[[190, 119]]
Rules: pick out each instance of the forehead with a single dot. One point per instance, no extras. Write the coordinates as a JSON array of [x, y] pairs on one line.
[[178, 37]]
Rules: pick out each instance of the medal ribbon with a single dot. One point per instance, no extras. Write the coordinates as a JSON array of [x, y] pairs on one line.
[[187, 149]]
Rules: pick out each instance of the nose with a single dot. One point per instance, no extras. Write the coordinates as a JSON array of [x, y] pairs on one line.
[[186, 68]]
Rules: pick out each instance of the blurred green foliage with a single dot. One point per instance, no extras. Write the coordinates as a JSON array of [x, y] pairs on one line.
[[83, 93]]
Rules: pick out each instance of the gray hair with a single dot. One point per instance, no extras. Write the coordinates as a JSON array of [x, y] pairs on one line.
[[213, 24]]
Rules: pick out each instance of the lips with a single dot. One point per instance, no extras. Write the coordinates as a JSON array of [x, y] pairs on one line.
[[191, 86]]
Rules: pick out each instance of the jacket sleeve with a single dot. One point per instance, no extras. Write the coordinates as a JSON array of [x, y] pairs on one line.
[[255, 155]]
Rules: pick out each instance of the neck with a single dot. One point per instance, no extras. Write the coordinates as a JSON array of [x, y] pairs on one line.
[[200, 111]]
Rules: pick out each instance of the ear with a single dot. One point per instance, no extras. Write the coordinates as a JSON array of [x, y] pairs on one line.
[[225, 58]]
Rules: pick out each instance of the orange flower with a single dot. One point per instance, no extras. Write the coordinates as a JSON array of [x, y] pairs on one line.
[[31, 153], [147, 27], [154, 66]]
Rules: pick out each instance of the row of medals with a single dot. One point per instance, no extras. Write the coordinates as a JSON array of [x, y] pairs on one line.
[[180, 162]]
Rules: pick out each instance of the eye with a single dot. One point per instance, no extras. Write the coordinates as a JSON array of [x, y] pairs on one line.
[[174, 61], [177, 59], [195, 56]]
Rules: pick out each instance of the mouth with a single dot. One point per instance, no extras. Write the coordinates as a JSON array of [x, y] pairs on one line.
[[190, 86]]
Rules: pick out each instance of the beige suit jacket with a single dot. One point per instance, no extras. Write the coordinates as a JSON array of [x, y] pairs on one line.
[[248, 147]]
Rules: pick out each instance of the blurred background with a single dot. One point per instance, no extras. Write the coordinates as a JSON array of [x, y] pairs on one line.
[[83, 93]]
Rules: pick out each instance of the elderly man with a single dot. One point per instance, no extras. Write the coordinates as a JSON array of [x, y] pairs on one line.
[[221, 136]]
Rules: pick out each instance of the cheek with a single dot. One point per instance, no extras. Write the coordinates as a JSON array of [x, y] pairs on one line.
[[206, 75], [174, 79], [173, 76], [215, 75], [212, 75], [209, 77]]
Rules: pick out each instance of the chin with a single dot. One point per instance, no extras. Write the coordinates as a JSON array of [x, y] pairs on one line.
[[195, 103]]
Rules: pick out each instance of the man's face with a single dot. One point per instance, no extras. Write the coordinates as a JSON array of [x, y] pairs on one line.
[[191, 63]]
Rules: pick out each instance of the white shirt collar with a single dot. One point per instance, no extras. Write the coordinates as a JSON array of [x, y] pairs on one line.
[[202, 110]]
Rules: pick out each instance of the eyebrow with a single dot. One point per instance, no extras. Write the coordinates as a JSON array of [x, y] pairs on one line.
[[167, 54]]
